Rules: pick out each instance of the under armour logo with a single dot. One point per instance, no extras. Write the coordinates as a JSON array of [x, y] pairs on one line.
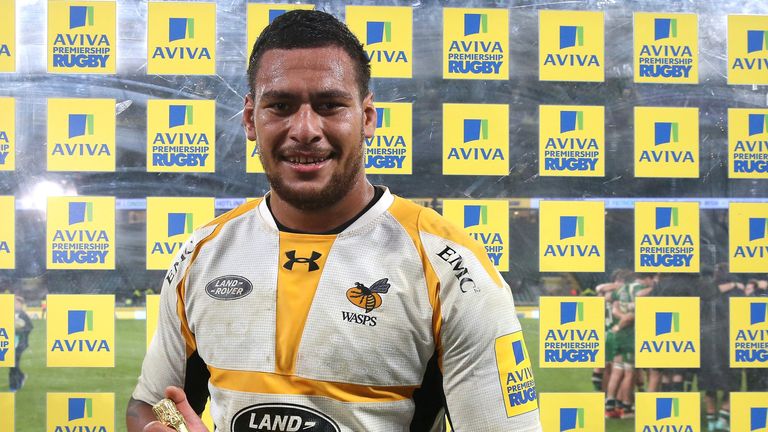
[[311, 264]]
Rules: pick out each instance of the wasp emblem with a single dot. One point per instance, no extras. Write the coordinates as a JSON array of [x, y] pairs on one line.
[[368, 298]]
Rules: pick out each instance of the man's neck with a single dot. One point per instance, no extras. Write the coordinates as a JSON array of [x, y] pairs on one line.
[[325, 219]]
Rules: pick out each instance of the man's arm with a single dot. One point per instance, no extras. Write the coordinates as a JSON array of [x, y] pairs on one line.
[[137, 415], [482, 352]]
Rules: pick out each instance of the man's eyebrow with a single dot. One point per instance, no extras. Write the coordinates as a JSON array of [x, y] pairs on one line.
[[276, 94], [333, 94]]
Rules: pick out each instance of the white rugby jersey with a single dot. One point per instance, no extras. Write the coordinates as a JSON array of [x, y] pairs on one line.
[[311, 332]]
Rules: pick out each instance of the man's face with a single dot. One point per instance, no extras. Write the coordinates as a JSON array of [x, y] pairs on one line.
[[309, 123]]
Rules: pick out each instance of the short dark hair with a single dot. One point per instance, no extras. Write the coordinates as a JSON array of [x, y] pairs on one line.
[[310, 29]]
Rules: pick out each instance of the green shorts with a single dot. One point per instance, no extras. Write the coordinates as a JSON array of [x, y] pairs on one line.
[[621, 343]]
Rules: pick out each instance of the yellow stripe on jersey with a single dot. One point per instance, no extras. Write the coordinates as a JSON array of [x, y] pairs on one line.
[[181, 311], [407, 214], [301, 262], [267, 383]]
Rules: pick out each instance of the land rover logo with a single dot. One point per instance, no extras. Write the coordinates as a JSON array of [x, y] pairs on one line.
[[282, 418], [229, 287]]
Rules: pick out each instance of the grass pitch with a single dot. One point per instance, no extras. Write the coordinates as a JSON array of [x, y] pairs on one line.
[[129, 352]]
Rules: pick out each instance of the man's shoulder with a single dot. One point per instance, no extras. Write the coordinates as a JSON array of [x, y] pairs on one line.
[[236, 212], [426, 220]]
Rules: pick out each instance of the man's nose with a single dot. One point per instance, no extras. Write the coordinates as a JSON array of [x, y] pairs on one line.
[[306, 126]]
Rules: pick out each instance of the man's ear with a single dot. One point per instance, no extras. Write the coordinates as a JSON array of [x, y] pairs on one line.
[[250, 127], [369, 116]]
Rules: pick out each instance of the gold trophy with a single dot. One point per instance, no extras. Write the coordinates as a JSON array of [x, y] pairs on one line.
[[169, 415]]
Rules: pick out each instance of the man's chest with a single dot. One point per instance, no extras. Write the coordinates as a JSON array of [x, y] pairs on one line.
[[321, 307]]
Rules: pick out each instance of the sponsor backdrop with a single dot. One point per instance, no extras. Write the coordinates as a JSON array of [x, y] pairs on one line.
[[557, 135]]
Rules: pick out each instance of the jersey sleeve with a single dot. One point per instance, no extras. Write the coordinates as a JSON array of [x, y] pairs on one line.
[[487, 373], [172, 347]]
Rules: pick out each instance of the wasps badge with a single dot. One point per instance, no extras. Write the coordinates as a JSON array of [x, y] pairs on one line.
[[368, 298]]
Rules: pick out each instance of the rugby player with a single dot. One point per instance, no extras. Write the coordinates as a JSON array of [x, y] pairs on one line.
[[331, 304]]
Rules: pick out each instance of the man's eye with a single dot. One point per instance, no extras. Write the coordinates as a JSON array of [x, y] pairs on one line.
[[328, 106], [279, 106]]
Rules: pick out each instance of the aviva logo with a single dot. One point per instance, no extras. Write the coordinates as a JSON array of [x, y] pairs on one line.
[[571, 121], [79, 321], [757, 40], [571, 226], [667, 323], [667, 217], [667, 408], [180, 115], [79, 408], [274, 13], [518, 351], [80, 212], [80, 125], [758, 419], [475, 24], [571, 36], [80, 16], [758, 313], [757, 228], [758, 124], [475, 215], [475, 129], [665, 133], [664, 28], [571, 312], [383, 117], [378, 32], [180, 223], [181, 28], [571, 419]]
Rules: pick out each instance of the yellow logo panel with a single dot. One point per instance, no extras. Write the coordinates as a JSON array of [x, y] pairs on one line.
[[390, 151], [515, 374], [571, 141], [666, 142], [572, 412], [261, 15], [170, 222], [7, 332], [81, 412], [747, 49], [487, 221], [476, 44], [666, 48], [181, 38], [8, 232], [7, 412], [7, 37], [668, 412], [667, 332], [667, 237], [571, 46], [7, 134], [475, 139], [81, 134], [181, 135], [749, 412], [572, 236], [81, 37], [81, 330], [153, 312], [571, 332], [748, 237], [252, 161], [387, 36], [81, 233], [747, 143], [749, 332]]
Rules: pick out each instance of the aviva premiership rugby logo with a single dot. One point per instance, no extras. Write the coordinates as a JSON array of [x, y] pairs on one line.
[[368, 298]]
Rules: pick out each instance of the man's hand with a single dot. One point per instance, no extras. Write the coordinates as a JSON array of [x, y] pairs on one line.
[[141, 413]]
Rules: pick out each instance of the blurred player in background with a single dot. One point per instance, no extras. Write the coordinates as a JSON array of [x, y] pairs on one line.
[[757, 378], [601, 376], [23, 326], [620, 391]]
